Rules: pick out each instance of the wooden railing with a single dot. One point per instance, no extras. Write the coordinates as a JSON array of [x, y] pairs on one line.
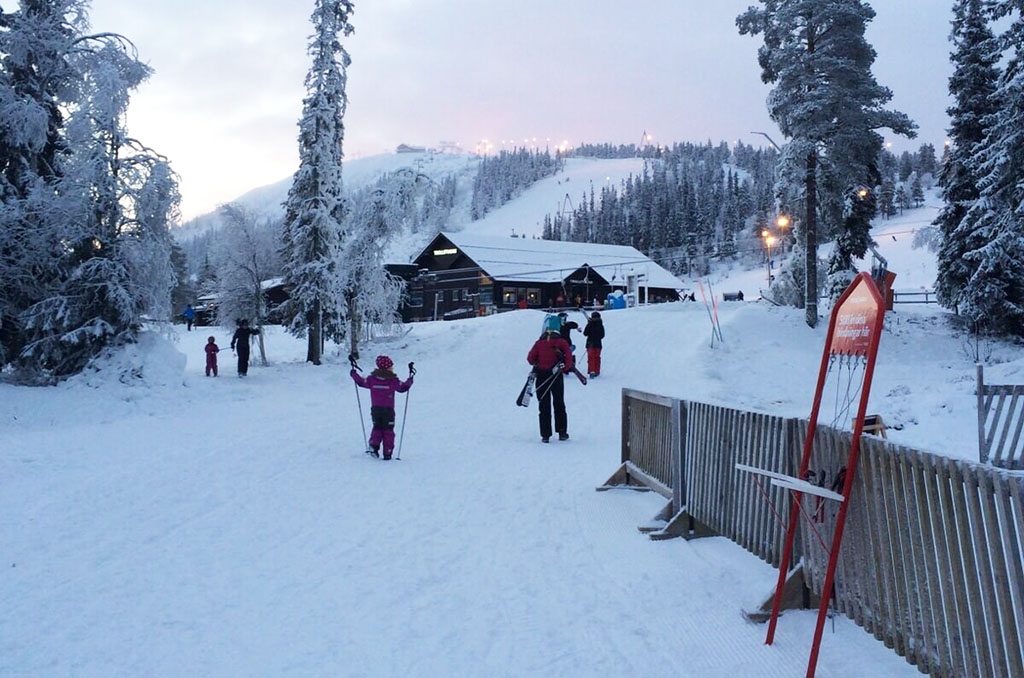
[[914, 297], [932, 560], [1000, 423]]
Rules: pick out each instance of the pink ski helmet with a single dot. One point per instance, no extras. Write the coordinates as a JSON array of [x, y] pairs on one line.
[[384, 362]]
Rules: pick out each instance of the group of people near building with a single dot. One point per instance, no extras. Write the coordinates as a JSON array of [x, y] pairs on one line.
[[552, 358]]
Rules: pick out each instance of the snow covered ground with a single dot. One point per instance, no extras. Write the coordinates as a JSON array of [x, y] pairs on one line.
[[171, 524]]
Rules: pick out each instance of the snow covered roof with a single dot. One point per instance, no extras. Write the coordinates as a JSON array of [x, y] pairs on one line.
[[549, 261]]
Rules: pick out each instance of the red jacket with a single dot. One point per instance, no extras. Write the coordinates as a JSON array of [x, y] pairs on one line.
[[548, 351]]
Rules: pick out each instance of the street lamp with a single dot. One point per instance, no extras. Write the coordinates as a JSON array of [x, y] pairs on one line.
[[769, 240], [783, 222]]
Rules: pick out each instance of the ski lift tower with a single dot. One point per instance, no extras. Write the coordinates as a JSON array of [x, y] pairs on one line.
[[645, 141], [562, 212]]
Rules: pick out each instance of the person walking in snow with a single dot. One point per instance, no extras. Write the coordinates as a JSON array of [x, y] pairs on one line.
[[189, 314], [211, 356], [594, 332], [546, 354], [383, 385], [240, 344], [566, 327]]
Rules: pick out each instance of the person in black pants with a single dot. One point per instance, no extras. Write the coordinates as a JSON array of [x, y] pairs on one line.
[[546, 353], [240, 344]]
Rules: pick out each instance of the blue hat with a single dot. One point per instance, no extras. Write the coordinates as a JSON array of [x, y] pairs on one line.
[[553, 323]]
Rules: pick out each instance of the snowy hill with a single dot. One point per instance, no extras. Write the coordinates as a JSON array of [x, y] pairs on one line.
[[165, 523], [358, 174], [523, 216]]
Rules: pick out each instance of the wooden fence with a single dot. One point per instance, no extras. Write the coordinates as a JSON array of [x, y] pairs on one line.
[[914, 297], [932, 559], [1000, 423]]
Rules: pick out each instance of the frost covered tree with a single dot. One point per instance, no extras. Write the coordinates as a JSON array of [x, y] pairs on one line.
[[972, 85], [36, 78], [372, 294], [96, 223], [994, 292], [246, 257], [314, 233], [828, 104]]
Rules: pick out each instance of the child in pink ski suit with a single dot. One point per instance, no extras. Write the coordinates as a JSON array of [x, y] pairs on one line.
[[211, 356], [383, 385]]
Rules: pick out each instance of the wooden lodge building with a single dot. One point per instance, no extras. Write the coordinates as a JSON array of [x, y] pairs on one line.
[[461, 274]]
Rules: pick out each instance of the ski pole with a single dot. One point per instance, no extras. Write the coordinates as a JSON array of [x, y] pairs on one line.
[[550, 382], [405, 414], [352, 361]]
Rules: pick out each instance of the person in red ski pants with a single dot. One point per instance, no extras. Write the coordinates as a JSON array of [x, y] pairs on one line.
[[211, 356]]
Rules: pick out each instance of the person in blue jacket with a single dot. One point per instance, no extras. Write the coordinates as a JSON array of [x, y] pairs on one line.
[[189, 314]]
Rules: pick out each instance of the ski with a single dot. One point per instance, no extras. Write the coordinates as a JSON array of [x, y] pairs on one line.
[[527, 393], [579, 375]]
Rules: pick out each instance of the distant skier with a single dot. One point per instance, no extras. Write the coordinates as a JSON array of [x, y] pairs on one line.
[[383, 384], [546, 353], [211, 356], [240, 344], [189, 314], [594, 332]]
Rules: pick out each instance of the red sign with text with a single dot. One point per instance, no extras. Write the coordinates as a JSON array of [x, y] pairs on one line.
[[855, 320]]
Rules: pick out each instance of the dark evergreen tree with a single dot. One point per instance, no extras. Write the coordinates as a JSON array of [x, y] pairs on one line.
[[994, 293], [906, 165], [973, 88], [901, 199], [887, 199], [827, 103], [916, 189], [925, 162]]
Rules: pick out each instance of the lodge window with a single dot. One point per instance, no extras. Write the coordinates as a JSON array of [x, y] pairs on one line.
[[416, 299], [508, 297], [533, 296]]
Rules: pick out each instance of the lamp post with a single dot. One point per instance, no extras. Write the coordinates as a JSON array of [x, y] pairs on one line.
[[769, 240], [783, 222]]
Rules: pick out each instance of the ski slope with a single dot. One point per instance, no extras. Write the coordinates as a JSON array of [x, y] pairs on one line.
[[178, 525]]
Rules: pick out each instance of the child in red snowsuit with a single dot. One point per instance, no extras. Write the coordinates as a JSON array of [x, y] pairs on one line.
[[211, 356], [383, 385]]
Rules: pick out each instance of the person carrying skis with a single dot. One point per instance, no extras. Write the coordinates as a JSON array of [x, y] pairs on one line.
[[551, 357], [594, 332], [382, 384]]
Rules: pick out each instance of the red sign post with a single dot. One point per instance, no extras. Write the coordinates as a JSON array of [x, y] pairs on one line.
[[854, 330]]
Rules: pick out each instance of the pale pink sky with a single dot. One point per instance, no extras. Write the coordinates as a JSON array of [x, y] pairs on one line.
[[227, 92]]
